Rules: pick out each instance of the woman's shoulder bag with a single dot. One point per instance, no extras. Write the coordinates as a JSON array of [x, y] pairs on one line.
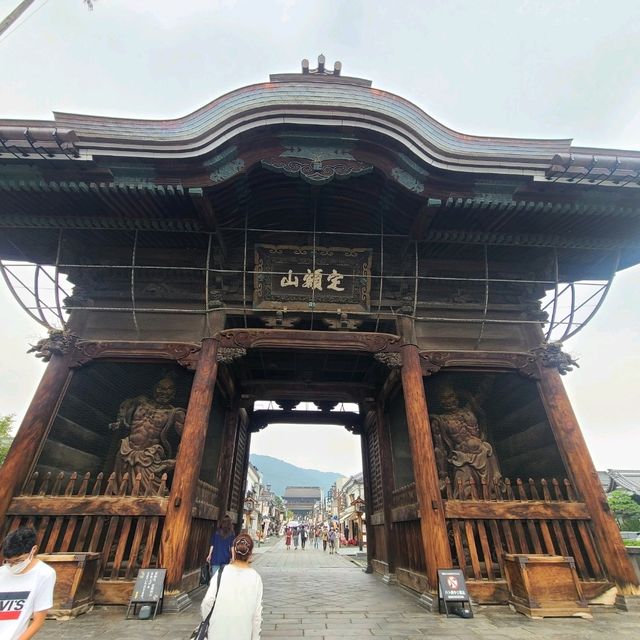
[[201, 632]]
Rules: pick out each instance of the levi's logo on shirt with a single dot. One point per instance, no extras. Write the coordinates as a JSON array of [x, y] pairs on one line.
[[12, 603]]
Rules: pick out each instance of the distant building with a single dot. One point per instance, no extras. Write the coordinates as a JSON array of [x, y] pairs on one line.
[[301, 500], [625, 479]]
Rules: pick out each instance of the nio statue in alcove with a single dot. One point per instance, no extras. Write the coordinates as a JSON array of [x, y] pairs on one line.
[[461, 447], [145, 450]]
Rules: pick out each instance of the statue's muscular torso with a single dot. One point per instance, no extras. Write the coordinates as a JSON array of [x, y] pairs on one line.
[[148, 420]]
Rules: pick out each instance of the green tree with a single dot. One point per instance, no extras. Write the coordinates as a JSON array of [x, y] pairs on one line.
[[625, 510], [6, 423]]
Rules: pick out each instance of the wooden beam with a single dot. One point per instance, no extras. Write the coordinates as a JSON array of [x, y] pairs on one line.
[[88, 506], [577, 459], [33, 430], [405, 513], [175, 534], [515, 510], [303, 391], [435, 541], [291, 339], [260, 418]]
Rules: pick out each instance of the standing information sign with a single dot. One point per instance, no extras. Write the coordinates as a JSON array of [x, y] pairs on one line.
[[452, 589], [149, 589]]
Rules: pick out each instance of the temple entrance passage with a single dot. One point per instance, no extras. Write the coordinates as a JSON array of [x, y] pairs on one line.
[[345, 250]]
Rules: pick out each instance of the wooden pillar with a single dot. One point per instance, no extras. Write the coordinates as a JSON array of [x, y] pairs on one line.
[[578, 462], [33, 430], [245, 472], [435, 542], [388, 484], [177, 525], [368, 497], [225, 461]]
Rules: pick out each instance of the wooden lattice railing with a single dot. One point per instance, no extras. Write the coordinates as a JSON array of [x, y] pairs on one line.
[[73, 513], [533, 517], [75, 485]]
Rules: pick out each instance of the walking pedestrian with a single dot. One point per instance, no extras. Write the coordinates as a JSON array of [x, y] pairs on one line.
[[316, 537], [303, 537], [26, 586], [325, 538], [220, 546], [332, 540], [296, 538], [287, 538], [237, 612]]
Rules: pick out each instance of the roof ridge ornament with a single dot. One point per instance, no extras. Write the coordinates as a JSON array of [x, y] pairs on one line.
[[319, 74], [321, 69]]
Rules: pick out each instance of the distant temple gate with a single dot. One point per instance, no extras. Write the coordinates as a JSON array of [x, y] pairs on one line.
[[310, 239]]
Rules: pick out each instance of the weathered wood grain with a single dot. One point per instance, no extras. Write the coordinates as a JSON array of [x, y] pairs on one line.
[[175, 534]]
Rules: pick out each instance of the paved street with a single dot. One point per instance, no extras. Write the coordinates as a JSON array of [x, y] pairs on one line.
[[311, 594]]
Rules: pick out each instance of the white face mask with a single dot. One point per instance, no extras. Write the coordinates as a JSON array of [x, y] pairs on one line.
[[20, 566]]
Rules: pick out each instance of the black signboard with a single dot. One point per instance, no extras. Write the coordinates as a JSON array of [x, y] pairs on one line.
[[452, 589], [148, 589]]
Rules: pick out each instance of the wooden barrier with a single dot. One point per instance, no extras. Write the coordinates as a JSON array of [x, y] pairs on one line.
[[533, 517], [74, 514]]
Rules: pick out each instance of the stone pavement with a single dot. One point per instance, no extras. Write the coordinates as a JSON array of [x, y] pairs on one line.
[[311, 594]]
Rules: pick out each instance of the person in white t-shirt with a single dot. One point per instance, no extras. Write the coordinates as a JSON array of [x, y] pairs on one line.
[[238, 607], [26, 587]]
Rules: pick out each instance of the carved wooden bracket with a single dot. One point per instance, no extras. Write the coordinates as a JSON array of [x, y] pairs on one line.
[[391, 359], [317, 171], [227, 355], [59, 342], [186, 355], [552, 356]]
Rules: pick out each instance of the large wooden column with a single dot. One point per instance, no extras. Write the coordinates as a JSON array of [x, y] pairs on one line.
[[33, 430], [388, 484], [177, 525], [435, 542], [578, 462]]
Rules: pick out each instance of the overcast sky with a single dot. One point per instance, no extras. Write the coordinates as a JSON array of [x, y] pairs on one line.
[[539, 69]]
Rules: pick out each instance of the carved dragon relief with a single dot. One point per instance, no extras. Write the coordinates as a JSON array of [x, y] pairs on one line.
[[58, 342], [552, 356]]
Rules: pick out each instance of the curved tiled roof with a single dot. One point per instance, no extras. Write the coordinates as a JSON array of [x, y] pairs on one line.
[[291, 102]]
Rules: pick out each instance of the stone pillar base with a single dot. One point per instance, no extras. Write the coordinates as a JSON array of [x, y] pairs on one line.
[[176, 602], [429, 601], [628, 603], [389, 578]]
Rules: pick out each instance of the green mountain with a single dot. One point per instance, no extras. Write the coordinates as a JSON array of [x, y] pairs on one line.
[[280, 474]]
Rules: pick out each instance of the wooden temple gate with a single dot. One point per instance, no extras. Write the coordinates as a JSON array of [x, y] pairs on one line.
[[320, 256]]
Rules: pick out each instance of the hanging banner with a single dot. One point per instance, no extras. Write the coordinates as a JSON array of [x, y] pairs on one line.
[[312, 278]]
